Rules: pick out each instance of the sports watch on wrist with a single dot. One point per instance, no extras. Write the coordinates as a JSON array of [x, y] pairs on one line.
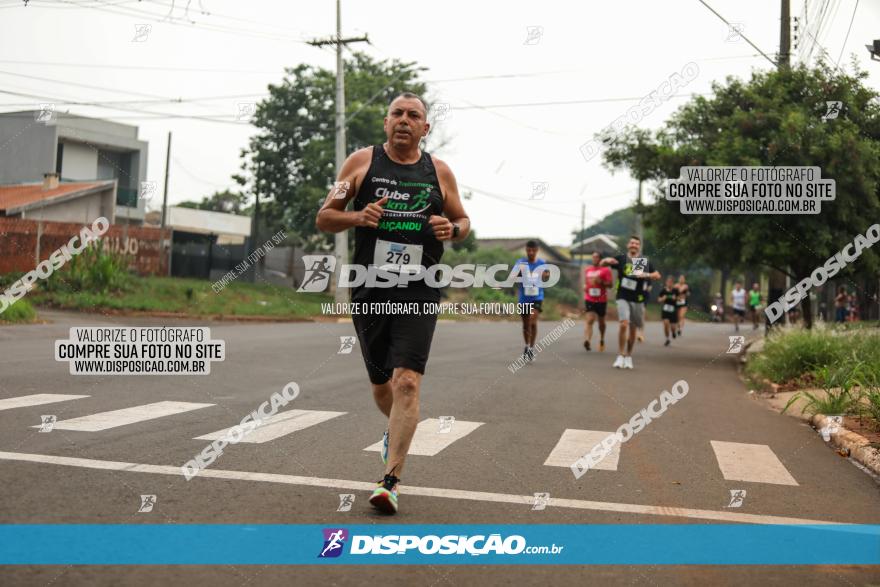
[[455, 230]]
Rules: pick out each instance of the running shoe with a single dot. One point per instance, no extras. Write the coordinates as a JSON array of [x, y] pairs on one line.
[[530, 354], [384, 497], [618, 362], [384, 452], [627, 362], [587, 344], [602, 346], [673, 334], [666, 343]]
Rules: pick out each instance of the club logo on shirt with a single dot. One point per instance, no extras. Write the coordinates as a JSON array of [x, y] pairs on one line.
[[401, 202]]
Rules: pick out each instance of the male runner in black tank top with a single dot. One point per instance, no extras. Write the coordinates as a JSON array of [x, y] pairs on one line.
[[406, 203]]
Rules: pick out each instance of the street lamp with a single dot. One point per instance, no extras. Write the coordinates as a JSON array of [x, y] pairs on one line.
[[874, 50]]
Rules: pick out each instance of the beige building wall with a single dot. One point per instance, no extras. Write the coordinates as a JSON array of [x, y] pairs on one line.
[[81, 210]]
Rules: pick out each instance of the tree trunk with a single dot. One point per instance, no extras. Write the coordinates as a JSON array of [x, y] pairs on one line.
[[725, 273], [807, 306]]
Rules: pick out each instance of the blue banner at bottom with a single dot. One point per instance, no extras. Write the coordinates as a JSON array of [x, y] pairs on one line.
[[653, 544]]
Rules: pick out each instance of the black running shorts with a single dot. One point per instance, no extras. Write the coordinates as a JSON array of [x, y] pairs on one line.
[[598, 307], [537, 306], [671, 316], [389, 341]]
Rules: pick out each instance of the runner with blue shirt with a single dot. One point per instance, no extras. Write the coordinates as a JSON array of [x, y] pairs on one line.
[[530, 292]]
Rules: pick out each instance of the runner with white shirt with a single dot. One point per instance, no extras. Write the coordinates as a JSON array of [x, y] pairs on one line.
[[738, 296]]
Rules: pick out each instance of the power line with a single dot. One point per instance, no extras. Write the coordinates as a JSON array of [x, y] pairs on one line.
[[125, 11], [516, 202], [154, 98], [848, 29], [124, 109], [747, 40], [568, 102], [199, 179], [137, 67], [233, 18]]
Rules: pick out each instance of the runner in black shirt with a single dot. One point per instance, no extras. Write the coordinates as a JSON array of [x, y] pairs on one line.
[[632, 272], [668, 311], [405, 204]]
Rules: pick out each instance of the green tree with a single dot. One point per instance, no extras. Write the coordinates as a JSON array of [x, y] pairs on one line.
[[224, 201], [775, 118], [290, 162]]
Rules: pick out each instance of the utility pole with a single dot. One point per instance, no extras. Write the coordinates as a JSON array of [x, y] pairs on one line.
[[341, 239], [639, 216], [785, 35], [581, 279], [777, 282], [165, 189], [165, 202]]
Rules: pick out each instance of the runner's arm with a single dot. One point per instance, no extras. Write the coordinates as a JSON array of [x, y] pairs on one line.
[[452, 206], [609, 282], [333, 217], [608, 261]]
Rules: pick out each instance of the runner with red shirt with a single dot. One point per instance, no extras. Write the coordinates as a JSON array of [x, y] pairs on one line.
[[596, 281]]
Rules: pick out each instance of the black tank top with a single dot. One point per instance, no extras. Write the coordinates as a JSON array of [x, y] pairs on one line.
[[414, 195]]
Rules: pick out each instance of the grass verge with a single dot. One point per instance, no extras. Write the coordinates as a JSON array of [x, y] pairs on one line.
[[190, 296]]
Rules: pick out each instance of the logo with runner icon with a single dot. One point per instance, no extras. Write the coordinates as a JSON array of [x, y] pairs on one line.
[[334, 541], [736, 344], [737, 498], [147, 503], [47, 423], [346, 344], [346, 500], [446, 423], [319, 268], [540, 501]]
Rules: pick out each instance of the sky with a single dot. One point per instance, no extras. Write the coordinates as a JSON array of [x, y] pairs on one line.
[[526, 83]]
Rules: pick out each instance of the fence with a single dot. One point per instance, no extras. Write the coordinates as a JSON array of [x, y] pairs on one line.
[[24, 243]]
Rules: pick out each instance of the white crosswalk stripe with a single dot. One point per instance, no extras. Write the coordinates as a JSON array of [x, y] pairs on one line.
[[755, 463], [116, 418], [750, 462], [279, 425], [573, 444], [36, 399], [428, 440]]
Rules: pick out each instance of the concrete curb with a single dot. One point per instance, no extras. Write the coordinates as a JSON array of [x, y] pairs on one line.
[[847, 442], [856, 446]]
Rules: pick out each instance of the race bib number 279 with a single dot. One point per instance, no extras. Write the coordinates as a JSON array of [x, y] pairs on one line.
[[391, 256]]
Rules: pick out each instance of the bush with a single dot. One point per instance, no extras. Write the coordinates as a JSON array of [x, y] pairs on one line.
[[871, 408], [835, 402], [487, 294], [20, 311], [817, 356], [563, 296], [94, 270], [7, 279]]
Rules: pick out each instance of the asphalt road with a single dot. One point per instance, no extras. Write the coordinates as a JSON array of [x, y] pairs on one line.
[[670, 472]]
